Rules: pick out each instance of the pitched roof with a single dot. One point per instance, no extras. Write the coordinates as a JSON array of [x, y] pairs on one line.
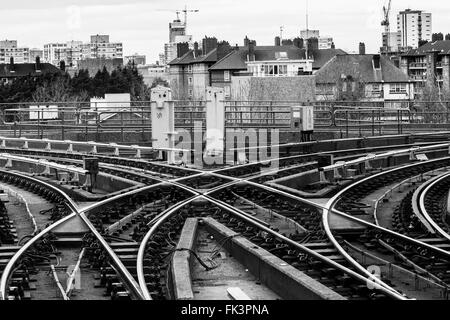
[[322, 56], [236, 59], [188, 58], [443, 47], [25, 69], [265, 53], [359, 67]]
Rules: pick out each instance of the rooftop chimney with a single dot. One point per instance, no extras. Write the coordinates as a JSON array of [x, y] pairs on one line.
[[209, 44], [251, 50], [182, 49], [196, 50], [62, 65], [277, 41], [38, 63], [11, 64], [246, 41], [223, 48], [299, 43], [362, 48]]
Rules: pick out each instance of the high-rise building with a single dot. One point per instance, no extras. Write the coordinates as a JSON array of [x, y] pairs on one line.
[[177, 34], [324, 42], [176, 29], [414, 26], [35, 52], [9, 49], [391, 41], [100, 47], [306, 34], [55, 52], [136, 59], [162, 59], [74, 51]]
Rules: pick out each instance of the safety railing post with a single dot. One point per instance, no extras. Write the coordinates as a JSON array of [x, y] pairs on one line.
[[373, 123], [121, 127], [62, 126], [97, 127], [346, 125], [86, 126]]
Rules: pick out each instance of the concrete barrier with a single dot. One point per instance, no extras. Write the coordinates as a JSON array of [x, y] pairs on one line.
[[181, 262], [279, 276]]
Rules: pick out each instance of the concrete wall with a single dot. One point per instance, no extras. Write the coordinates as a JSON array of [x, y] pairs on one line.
[[300, 88], [200, 81]]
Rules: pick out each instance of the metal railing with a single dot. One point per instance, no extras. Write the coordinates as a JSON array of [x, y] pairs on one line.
[[95, 122]]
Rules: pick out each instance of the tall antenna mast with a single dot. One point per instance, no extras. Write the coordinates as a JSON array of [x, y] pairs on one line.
[[307, 30], [307, 22], [185, 16], [281, 34]]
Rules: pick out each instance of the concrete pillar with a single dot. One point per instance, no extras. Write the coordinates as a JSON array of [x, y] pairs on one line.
[[163, 121], [94, 147], [70, 147], [48, 147], [215, 121], [8, 163], [138, 151], [75, 179], [46, 172]]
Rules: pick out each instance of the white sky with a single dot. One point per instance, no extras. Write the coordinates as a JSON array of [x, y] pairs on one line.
[[143, 28]]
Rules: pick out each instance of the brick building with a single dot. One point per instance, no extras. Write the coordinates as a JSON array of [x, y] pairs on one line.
[[189, 73], [12, 71], [356, 77], [428, 65], [193, 71]]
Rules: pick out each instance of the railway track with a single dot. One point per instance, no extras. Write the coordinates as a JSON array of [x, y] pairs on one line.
[[125, 249], [323, 269], [410, 247]]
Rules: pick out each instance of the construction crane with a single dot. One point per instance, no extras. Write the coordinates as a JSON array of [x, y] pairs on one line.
[[178, 12], [386, 23], [186, 14]]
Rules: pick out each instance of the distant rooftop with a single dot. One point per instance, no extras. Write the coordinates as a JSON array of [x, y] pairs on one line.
[[442, 46], [361, 67]]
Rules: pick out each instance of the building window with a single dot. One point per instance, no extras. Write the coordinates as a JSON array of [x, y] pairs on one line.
[[397, 88], [189, 68], [226, 76], [191, 93], [190, 80], [376, 88]]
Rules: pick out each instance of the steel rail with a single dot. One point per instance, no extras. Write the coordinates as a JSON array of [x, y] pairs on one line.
[[141, 253], [421, 199], [72, 206], [245, 217], [122, 270], [386, 155], [10, 266], [42, 162], [329, 208], [91, 144]]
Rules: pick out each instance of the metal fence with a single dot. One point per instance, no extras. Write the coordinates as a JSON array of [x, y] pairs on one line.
[[94, 120]]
